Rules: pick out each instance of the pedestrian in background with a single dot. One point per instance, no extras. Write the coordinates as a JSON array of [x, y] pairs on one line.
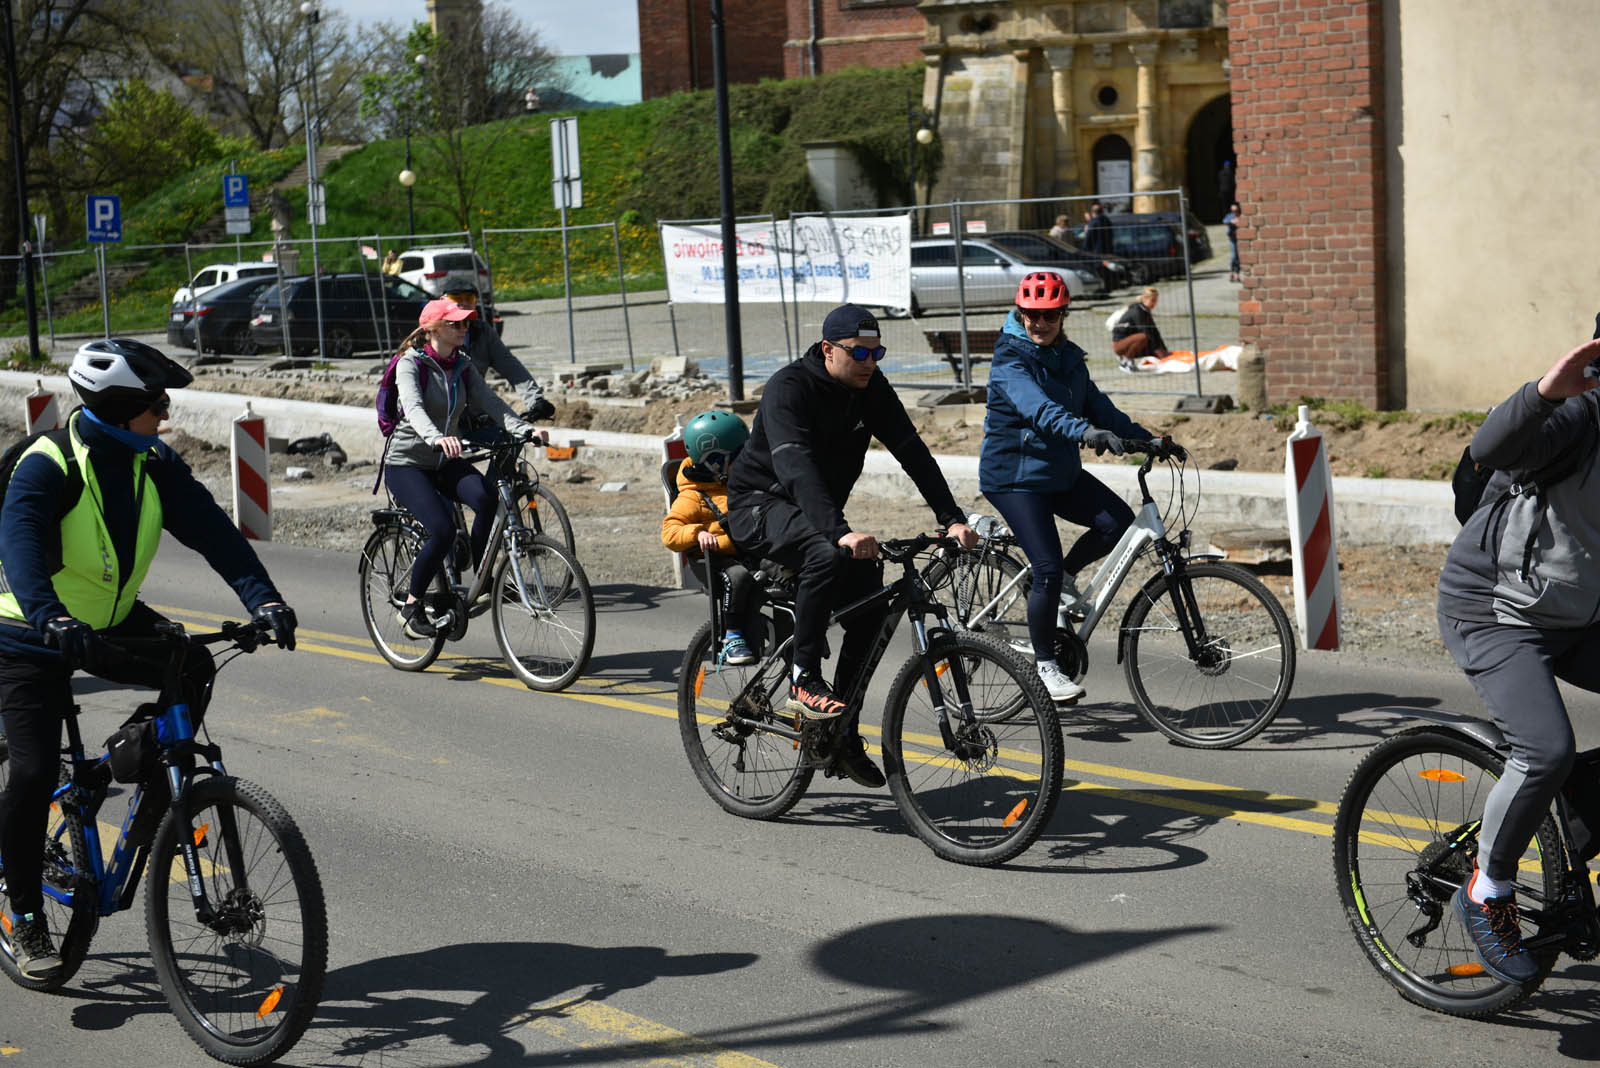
[[1059, 230], [1226, 185], [1231, 221], [1136, 334], [1097, 234]]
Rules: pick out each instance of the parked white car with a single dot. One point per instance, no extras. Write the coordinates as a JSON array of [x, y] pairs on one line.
[[991, 275], [213, 275], [427, 267]]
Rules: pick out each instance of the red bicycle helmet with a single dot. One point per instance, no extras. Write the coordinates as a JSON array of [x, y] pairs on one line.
[[1042, 290]]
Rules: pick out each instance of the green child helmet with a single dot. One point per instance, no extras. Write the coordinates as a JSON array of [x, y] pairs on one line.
[[712, 439]]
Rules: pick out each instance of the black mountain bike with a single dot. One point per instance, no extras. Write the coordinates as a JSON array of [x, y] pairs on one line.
[[971, 745], [233, 906], [1404, 841]]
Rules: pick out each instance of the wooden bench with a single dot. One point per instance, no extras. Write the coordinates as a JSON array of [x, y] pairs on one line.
[[947, 343]]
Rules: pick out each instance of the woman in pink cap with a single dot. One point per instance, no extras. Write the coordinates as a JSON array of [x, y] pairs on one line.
[[437, 386]]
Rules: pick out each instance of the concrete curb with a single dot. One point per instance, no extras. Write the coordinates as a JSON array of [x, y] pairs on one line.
[[1383, 510]]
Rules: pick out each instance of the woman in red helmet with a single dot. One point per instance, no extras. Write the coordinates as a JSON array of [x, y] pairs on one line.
[[1042, 409]]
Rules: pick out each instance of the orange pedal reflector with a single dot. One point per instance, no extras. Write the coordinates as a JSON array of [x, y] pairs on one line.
[[270, 1002], [200, 833], [700, 680], [5, 920], [1465, 970], [1441, 775], [1015, 814]]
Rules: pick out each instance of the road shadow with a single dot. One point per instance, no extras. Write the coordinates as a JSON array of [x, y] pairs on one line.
[[625, 597], [1306, 720], [656, 667]]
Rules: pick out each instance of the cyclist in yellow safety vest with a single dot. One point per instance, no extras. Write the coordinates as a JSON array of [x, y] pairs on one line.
[[83, 514]]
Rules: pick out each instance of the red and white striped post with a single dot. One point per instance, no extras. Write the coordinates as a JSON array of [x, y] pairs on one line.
[[1309, 488], [43, 414], [252, 496], [673, 450]]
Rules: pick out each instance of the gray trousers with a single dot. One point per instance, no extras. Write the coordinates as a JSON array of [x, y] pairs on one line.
[[1514, 670]]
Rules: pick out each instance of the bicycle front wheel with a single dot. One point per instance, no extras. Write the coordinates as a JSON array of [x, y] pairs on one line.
[[1239, 676], [543, 614], [745, 769], [385, 573], [981, 793], [70, 909], [542, 512], [245, 982], [1404, 840]]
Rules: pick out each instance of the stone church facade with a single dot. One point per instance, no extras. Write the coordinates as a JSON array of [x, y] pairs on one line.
[[1054, 99]]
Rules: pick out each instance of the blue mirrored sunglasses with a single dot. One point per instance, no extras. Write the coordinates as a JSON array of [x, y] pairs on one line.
[[862, 352]]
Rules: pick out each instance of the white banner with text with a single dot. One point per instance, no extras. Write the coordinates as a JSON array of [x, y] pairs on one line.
[[861, 260]]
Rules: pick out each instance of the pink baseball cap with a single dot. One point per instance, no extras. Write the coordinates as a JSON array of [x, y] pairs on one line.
[[446, 310]]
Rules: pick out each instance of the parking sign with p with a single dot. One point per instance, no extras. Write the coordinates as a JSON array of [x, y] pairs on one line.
[[235, 191], [104, 213]]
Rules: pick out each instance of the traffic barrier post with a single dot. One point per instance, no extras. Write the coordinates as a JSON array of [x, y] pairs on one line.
[[43, 413], [673, 453], [252, 494], [1312, 545]]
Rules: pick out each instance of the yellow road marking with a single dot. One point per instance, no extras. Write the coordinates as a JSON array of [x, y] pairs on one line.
[[596, 1025]]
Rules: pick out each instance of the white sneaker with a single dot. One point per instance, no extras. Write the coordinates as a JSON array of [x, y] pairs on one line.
[[1062, 689]]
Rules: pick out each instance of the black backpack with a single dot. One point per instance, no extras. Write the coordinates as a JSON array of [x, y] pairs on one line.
[[1471, 479], [63, 439]]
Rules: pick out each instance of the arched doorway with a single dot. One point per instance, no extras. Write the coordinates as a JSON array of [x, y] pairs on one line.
[[1210, 143], [1113, 171]]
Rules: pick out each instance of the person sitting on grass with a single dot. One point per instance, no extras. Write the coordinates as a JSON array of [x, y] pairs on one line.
[[695, 521]]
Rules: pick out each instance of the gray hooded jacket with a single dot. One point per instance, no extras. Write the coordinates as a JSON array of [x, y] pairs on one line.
[[1530, 560], [436, 413]]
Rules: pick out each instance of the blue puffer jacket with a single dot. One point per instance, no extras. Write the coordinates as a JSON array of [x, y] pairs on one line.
[[1041, 401]]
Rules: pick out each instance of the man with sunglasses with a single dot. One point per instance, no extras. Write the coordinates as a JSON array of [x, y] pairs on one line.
[[488, 352], [787, 493], [84, 513], [1042, 408]]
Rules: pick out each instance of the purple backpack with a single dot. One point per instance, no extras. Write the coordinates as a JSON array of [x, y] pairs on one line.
[[388, 402]]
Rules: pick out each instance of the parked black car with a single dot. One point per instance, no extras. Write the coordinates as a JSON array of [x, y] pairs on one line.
[[219, 319], [1199, 240], [353, 307], [1148, 238], [1113, 270]]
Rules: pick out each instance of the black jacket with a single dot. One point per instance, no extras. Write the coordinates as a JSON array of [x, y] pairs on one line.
[[809, 442], [1138, 320]]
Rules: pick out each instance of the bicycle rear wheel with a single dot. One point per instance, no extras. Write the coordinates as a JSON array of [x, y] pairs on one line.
[[244, 984], [747, 771], [70, 910], [1240, 679], [543, 614], [1404, 840], [984, 796], [385, 573], [968, 582]]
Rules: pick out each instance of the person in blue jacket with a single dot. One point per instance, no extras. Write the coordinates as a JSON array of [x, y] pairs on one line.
[[81, 524], [1042, 408]]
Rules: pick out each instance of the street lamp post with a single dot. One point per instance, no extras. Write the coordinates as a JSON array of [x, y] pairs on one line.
[[313, 13], [14, 98], [918, 132], [408, 177]]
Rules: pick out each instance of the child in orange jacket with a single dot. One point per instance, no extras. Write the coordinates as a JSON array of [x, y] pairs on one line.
[[694, 523]]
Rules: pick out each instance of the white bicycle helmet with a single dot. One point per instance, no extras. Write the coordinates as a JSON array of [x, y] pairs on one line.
[[117, 378]]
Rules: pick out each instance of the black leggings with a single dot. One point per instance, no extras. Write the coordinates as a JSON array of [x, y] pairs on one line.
[[427, 495], [35, 697], [1032, 518]]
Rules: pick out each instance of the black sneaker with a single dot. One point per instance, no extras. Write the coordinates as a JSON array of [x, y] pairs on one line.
[[811, 696], [856, 765], [416, 622], [1497, 936], [30, 944]]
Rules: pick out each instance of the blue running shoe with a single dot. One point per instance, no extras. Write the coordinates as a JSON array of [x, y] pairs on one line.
[[735, 651], [1497, 936]]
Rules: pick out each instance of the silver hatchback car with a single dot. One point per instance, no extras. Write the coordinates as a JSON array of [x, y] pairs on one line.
[[990, 275]]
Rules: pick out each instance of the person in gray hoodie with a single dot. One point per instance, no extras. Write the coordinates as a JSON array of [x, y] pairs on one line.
[[437, 387], [1519, 607]]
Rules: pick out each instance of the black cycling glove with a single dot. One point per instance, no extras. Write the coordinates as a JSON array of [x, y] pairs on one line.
[[74, 639], [540, 409], [1101, 441], [280, 617]]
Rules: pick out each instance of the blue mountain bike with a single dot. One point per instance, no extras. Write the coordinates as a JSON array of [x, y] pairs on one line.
[[233, 904]]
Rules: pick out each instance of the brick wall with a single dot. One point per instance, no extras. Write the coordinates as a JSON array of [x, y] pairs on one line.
[[1307, 118], [837, 50], [673, 59]]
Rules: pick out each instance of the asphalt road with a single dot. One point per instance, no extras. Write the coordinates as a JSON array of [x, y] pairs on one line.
[[525, 879]]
